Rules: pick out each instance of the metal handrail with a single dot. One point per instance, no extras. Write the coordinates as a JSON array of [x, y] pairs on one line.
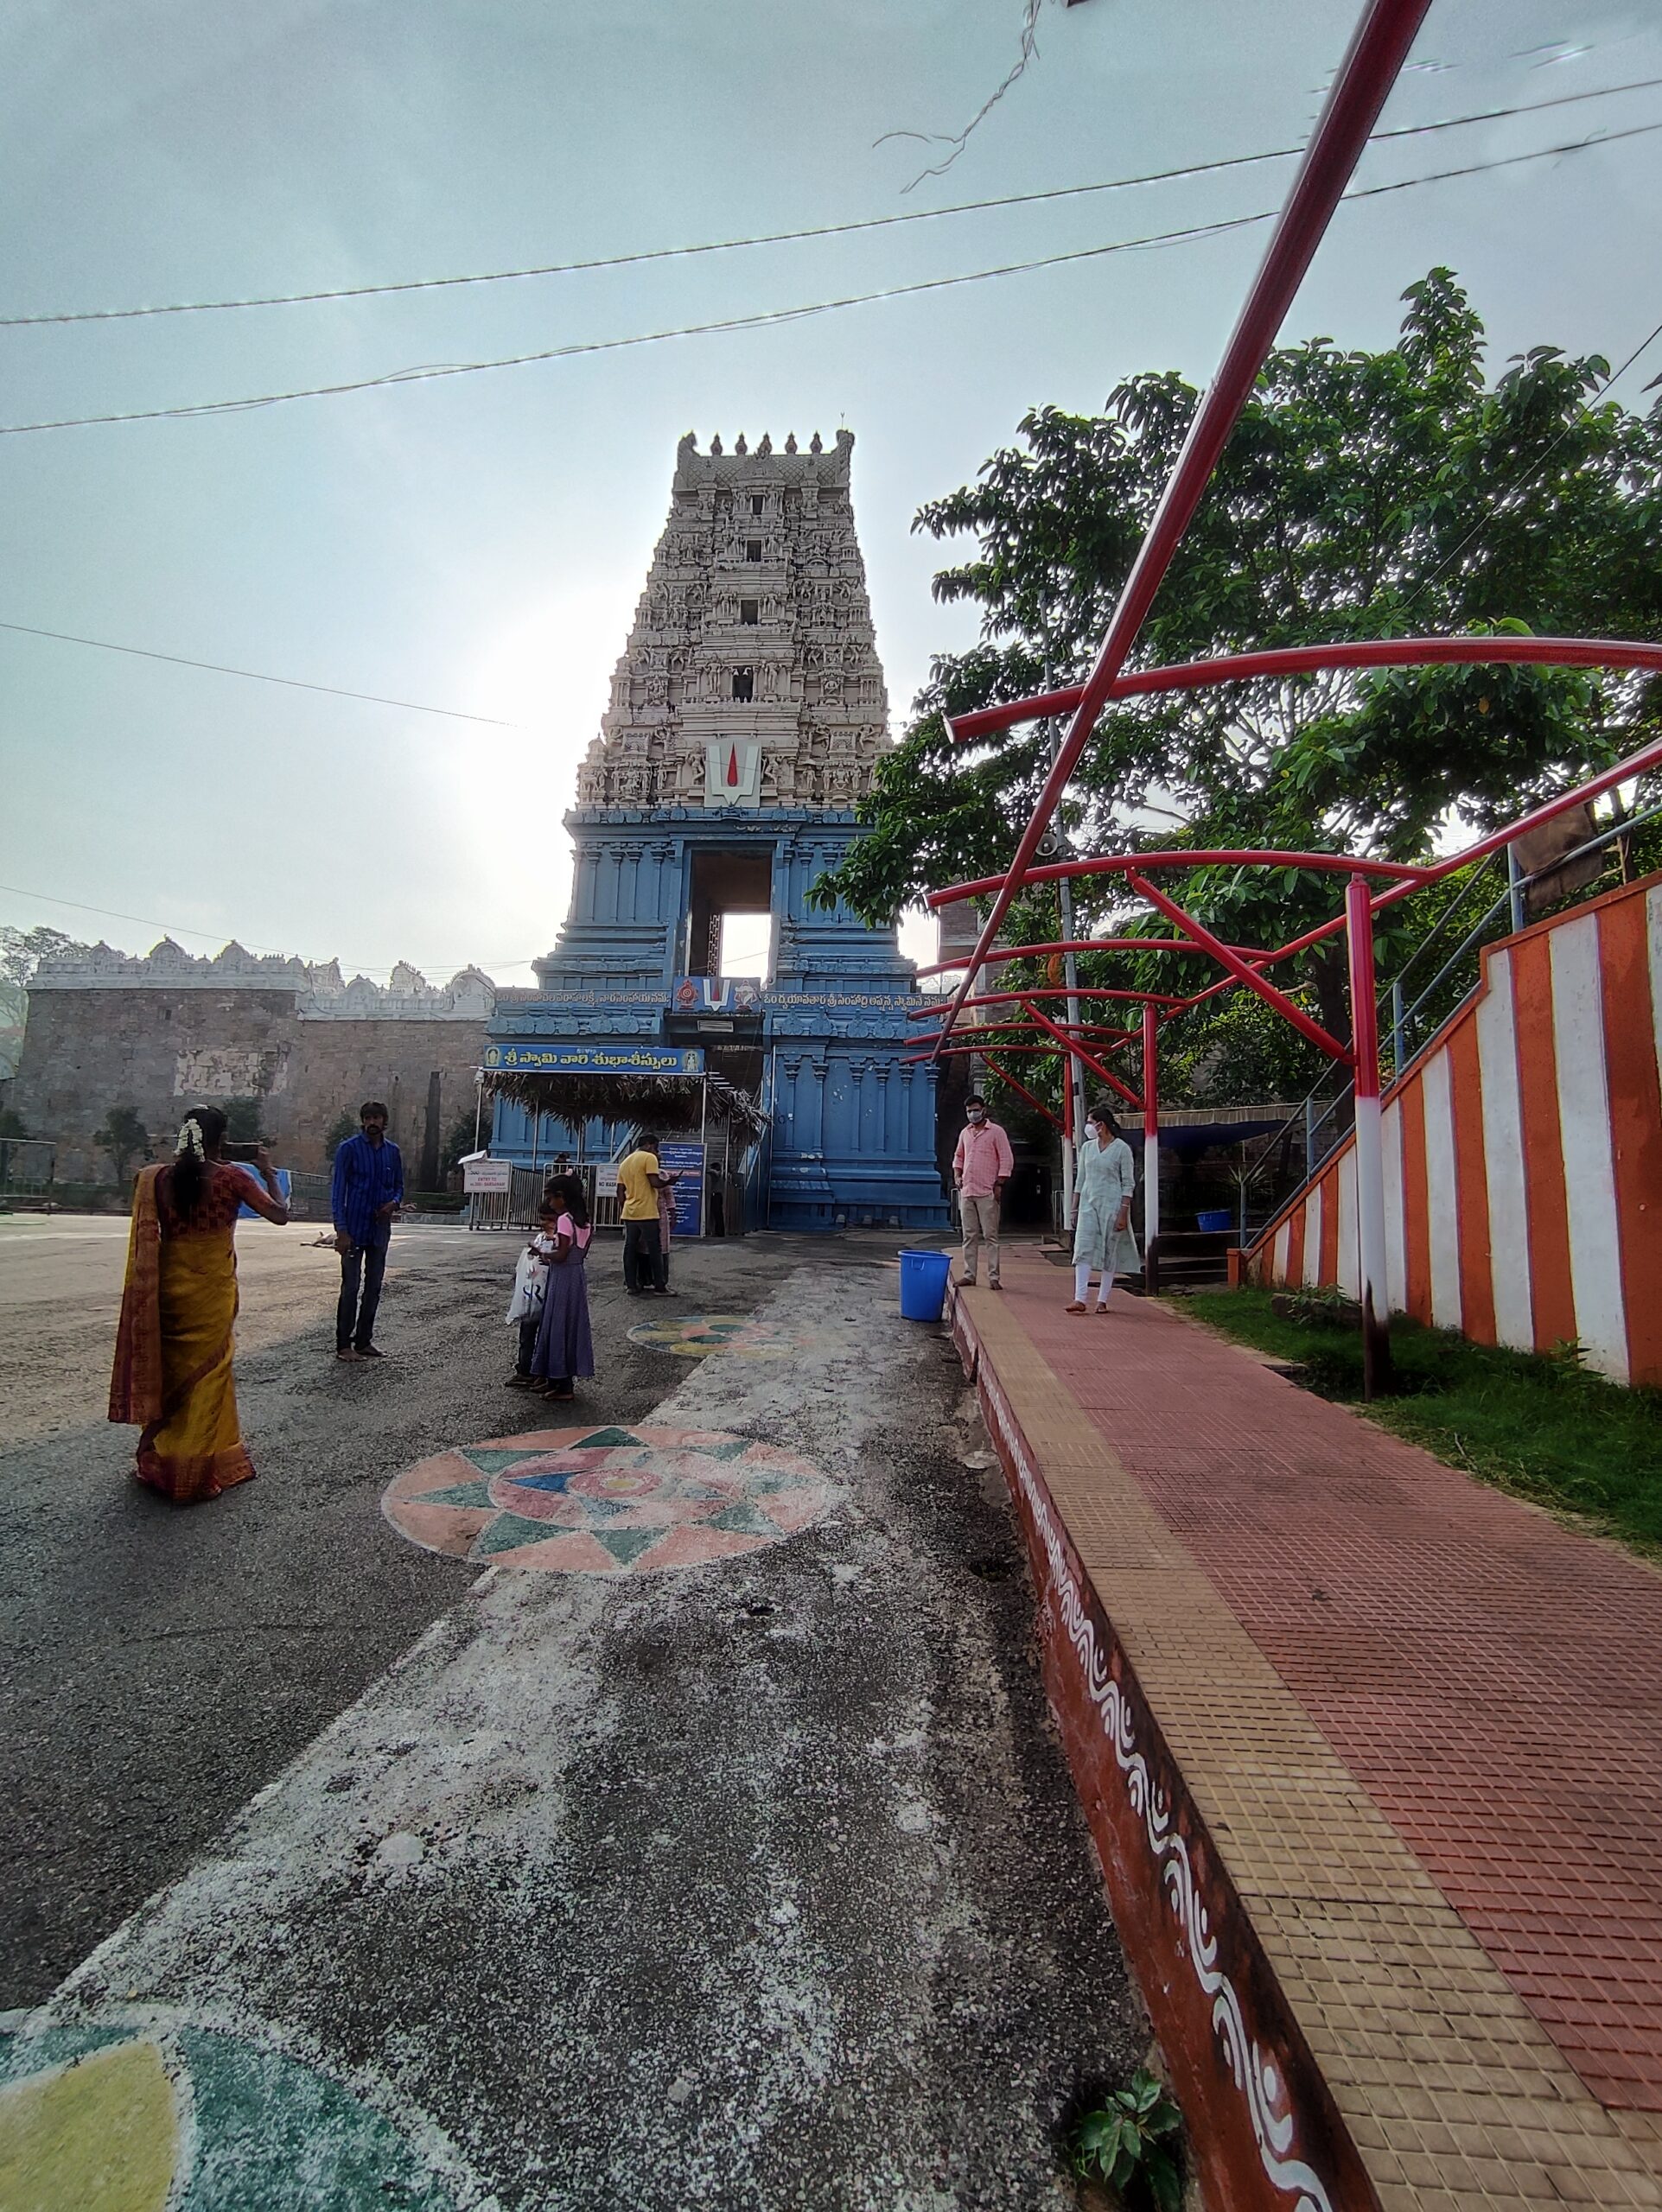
[[1512, 896], [1518, 884]]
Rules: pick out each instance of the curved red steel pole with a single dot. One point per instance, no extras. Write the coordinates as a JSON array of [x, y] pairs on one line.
[[1637, 764], [1051, 991], [1089, 1060], [1001, 953], [1038, 1104], [1311, 660], [1377, 50], [1238, 969], [1345, 864], [992, 1031], [1407, 879], [977, 1048]]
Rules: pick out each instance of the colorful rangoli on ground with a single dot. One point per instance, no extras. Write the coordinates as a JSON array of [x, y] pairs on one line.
[[690, 1336], [174, 2118], [607, 1500]]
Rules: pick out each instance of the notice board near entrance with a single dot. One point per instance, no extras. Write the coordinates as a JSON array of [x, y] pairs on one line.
[[686, 1160]]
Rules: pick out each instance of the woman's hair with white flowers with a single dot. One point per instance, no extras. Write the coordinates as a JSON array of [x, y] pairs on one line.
[[199, 1136]]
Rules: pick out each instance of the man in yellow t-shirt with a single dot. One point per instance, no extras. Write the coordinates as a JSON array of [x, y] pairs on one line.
[[640, 1180]]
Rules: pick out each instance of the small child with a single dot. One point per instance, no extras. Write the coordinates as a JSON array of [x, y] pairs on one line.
[[565, 1352], [530, 1290]]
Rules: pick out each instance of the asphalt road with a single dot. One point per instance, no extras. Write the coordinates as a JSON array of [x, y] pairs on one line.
[[758, 1884], [163, 1665]]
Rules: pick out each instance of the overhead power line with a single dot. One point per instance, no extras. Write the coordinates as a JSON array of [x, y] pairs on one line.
[[257, 675], [1498, 500], [795, 237], [768, 319]]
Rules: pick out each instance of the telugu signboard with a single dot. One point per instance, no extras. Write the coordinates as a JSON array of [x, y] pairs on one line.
[[487, 1175], [594, 1059], [687, 1197]]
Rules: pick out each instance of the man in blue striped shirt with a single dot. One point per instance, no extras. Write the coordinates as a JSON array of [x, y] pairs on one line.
[[368, 1188]]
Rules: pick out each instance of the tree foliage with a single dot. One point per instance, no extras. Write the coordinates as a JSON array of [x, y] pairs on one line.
[[123, 1136], [1362, 495], [242, 1120], [344, 1125], [20, 953]]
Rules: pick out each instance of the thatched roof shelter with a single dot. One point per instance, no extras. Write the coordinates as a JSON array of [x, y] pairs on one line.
[[658, 1101]]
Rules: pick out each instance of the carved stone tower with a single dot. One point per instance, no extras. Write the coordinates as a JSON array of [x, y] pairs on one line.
[[747, 716], [751, 675]]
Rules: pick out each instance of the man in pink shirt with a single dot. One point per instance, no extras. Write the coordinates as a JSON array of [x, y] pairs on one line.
[[981, 1168]]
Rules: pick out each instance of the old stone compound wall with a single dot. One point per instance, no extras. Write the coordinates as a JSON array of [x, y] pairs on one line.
[[163, 1033]]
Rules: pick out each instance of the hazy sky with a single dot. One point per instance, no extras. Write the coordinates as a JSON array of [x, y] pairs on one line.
[[479, 542]]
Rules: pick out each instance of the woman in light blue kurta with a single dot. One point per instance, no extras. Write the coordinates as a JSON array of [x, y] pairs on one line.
[[1103, 1181]]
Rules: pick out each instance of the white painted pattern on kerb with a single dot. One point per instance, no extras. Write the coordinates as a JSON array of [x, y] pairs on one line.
[[1443, 1205], [1256, 2077], [1350, 1268], [1391, 1126], [1589, 1169], [1313, 1204], [1503, 1159]]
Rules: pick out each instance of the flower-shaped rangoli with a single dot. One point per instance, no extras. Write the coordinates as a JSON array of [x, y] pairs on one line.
[[689, 1335], [608, 1500]]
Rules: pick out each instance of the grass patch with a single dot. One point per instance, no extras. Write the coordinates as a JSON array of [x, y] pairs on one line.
[[1541, 1425]]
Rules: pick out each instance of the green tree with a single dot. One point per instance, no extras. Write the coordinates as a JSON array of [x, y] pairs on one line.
[[344, 1125], [1362, 495], [242, 1120], [123, 1136], [20, 953], [459, 1142]]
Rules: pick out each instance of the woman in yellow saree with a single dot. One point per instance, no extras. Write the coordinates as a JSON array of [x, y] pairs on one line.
[[172, 1373]]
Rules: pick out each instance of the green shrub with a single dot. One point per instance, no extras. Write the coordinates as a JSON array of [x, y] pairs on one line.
[[1131, 2141]]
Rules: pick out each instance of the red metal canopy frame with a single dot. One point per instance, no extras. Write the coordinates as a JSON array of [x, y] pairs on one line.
[[1311, 660], [1377, 53], [1377, 50]]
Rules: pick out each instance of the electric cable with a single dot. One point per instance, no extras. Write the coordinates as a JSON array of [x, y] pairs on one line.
[[194, 410], [258, 675], [791, 238], [1537, 465]]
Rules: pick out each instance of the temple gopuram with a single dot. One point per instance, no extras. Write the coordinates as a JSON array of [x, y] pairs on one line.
[[747, 715]]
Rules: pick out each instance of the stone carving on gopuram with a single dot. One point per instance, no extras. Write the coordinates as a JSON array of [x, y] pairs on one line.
[[751, 675]]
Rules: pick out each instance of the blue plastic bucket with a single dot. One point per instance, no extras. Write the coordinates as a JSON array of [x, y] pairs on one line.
[[923, 1285], [1217, 1221]]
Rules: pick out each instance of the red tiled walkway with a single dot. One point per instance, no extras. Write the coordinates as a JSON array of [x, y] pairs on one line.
[[1493, 1681]]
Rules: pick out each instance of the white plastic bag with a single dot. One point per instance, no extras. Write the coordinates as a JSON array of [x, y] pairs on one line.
[[530, 1286]]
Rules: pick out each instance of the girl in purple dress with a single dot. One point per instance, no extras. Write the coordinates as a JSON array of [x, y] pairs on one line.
[[565, 1348]]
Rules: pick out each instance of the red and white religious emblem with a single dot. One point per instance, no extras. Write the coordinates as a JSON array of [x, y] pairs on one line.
[[732, 771]]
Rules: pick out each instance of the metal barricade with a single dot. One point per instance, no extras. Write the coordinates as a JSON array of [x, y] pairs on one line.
[[28, 1165], [521, 1205], [309, 1197]]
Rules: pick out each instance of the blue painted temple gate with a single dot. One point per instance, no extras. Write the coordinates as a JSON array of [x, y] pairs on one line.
[[747, 715]]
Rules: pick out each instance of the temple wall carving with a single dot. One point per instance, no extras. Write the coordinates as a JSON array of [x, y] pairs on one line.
[[754, 623]]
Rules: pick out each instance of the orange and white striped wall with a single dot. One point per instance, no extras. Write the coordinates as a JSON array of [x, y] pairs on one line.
[[1523, 1153]]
